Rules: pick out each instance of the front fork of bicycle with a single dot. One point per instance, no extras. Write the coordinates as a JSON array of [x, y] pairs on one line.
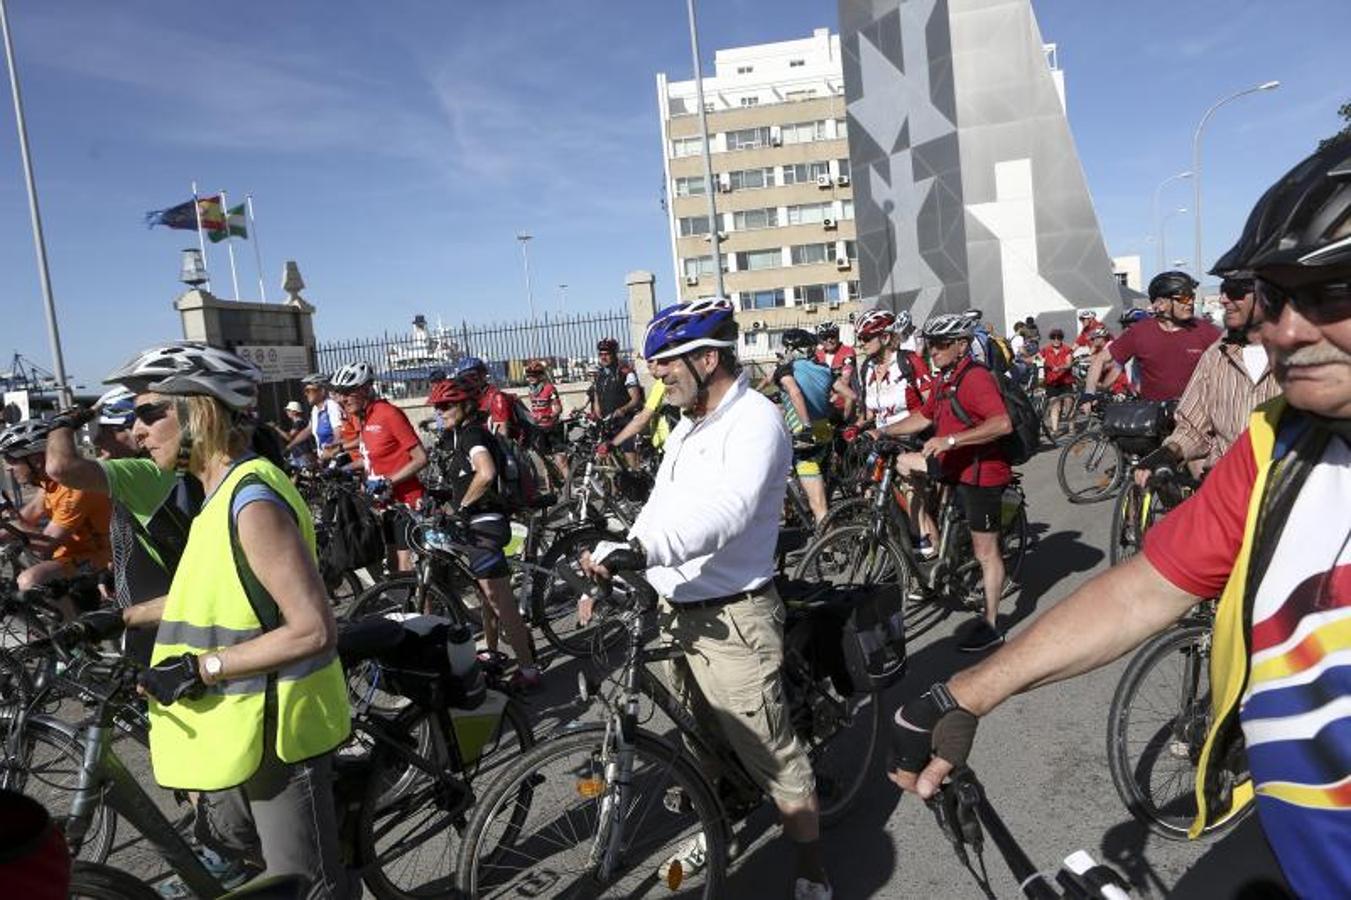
[[618, 757]]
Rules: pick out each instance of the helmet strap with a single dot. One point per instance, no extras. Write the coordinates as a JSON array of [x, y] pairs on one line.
[[700, 386], [181, 466]]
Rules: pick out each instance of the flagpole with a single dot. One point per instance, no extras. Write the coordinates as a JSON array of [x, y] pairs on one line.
[[253, 236], [201, 241], [229, 247]]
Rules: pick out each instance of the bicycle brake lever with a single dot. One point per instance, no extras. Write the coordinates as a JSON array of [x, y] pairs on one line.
[[967, 799], [943, 804]]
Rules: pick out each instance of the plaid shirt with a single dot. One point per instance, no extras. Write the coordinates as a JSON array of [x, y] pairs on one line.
[[1214, 409]]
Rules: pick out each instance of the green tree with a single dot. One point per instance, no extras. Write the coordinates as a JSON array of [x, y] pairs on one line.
[[1345, 133]]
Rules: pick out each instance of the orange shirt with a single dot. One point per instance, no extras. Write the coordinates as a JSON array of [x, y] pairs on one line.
[[84, 515]]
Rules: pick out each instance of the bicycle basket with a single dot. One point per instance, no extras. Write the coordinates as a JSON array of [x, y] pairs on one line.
[[1137, 426]]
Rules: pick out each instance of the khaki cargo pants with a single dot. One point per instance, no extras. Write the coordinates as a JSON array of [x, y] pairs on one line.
[[733, 655]]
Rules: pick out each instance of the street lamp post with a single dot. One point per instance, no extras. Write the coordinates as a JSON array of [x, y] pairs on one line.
[[1163, 233], [562, 298], [1158, 191], [1196, 159], [524, 239], [39, 243], [709, 186]]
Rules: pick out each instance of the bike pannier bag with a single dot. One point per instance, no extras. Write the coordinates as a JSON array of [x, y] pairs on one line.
[[355, 537], [1136, 426]]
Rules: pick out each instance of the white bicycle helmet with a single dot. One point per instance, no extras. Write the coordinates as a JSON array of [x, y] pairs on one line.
[[949, 326], [874, 322], [24, 438], [903, 322], [352, 376], [191, 368], [1085, 315], [315, 378], [117, 407]]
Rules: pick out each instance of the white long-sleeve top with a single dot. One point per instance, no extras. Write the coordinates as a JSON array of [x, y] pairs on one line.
[[712, 521]]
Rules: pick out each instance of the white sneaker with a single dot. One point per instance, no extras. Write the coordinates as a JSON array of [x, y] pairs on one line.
[[691, 857], [806, 889]]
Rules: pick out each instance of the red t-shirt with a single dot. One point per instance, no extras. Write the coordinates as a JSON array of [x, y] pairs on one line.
[[495, 404], [1083, 339], [1195, 545], [1165, 359], [542, 405], [1061, 356], [984, 465], [387, 441]]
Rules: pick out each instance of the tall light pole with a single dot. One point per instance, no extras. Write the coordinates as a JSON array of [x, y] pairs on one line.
[[562, 298], [710, 189], [1163, 233], [1196, 161], [39, 243], [1158, 191], [524, 239]]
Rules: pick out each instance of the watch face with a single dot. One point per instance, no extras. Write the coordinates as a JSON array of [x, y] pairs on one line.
[[213, 666]]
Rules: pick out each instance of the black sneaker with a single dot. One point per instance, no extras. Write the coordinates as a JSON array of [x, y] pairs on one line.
[[982, 637]]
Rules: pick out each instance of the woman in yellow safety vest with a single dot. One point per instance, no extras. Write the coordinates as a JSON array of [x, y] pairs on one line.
[[247, 697]]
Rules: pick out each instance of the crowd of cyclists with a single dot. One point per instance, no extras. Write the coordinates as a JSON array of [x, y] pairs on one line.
[[186, 533]]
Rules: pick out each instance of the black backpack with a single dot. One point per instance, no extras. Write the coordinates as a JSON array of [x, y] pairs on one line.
[[355, 537], [1020, 444]]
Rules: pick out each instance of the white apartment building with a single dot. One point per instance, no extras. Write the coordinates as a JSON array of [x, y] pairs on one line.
[[785, 209]]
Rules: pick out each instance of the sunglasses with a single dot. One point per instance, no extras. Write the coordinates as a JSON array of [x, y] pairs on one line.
[[1184, 299], [1235, 292], [150, 413], [442, 407], [1318, 303], [940, 344]]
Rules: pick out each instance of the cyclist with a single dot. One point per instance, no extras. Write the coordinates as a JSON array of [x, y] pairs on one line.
[[842, 362], [1232, 379], [67, 528], [247, 697], [804, 394], [1268, 533], [472, 472], [1113, 374], [546, 408], [390, 448], [325, 417], [707, 536], [966, 456], [906, 336], [1088, 323], [656, 413], [615, 395], [1165, 348], [495, 404], [1058, 377]]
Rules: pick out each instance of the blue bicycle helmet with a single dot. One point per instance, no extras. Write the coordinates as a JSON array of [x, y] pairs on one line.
[[117, 408], [468, 364], [677, 330], [1133, 315]]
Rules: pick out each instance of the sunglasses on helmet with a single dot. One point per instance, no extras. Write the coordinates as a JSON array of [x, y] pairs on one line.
[[1319, 303]]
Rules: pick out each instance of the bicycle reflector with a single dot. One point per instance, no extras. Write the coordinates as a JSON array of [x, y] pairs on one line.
[[675, 874], [879, 469], [590, 787]]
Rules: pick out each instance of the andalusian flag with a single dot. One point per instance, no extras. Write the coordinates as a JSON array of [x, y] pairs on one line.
[[236, 222]]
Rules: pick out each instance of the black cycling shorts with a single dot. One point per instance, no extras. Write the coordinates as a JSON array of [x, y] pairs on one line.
[[551, 440], [1059, 390], [983, 506], [488, 537]]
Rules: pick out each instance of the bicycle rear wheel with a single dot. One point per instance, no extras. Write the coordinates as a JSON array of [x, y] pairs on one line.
[[553, 603], [1159, 718], [565, 798], [848, 555], [1090, 468], [94, 881]]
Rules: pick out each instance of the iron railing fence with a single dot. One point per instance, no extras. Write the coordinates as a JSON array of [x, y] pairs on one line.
[[404, 363]]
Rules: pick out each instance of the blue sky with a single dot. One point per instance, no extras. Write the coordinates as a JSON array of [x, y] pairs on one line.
[[394, 149]]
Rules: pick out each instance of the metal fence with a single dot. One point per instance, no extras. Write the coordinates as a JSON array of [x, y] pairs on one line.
[[405, 362]]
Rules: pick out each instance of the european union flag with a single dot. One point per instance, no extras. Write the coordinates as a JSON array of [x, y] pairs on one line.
[[182, 216]]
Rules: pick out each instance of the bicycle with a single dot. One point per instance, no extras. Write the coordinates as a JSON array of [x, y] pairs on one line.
[[615, 799], [1094, 466], [1138, 508]]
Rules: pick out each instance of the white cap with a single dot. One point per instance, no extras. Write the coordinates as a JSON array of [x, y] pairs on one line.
[[295, 407]]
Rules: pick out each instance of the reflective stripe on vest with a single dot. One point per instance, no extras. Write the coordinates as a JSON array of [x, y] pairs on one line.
[[216, 741]]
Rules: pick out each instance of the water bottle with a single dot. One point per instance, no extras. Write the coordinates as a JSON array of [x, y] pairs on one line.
[[437, 539], [1009, 504], [460, 649]]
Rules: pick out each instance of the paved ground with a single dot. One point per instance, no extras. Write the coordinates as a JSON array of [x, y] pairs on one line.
[[1042, 758]]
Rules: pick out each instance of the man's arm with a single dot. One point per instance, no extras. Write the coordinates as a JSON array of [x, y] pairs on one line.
[[301, 437], [417, 461], [794, 392], [911, 424], [635, 402], [66, 466], [636, 425]]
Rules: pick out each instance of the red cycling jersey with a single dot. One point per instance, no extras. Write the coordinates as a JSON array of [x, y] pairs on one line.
[[496, 405], [542, 405], [984, 465], [387, 441], [1056, 357]]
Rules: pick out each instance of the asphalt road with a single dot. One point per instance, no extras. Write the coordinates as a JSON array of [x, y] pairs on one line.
[[1042, 758]]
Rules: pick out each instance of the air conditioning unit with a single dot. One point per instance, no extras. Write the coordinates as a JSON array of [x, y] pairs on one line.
[[823, 181], [724, 184], [809, 308], [692, 280], [834, 304], [708, 238], [828, 224], [842, 180], [757, 325], [842, 263]]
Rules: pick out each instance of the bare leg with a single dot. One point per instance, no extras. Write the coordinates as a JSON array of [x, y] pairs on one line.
[[802, 825], [503, 603], [814, 486], [986, 546]]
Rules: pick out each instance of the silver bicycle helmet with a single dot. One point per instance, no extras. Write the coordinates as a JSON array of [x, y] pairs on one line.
[[904, 322], [949, 326], [191, 368], [318, 379], [24, 438], [352, 376]]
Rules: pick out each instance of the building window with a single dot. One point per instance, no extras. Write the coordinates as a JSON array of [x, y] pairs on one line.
[[750, 101], [686, 187], [844, 167], [846, 209], [749, 219], [808, 213], [692, 225], [851, 251], [853, 290], [744, 70], [805, 173], [1121, 278], [751, 179], [841, 128], [762, 299], [700, 265], [692, 146], [806, 254], [796, 63], [804, 132], [803, 94], [819, 293], [748, 138], [755, 260]]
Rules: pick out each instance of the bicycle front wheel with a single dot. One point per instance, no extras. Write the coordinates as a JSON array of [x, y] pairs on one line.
[[1158, 722], [1127, 523], [543, 826], [1090, 468], [554, 604], [849, 555]]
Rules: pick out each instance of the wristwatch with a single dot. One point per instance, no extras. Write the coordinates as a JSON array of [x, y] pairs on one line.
[[952, 441], [213, 667]]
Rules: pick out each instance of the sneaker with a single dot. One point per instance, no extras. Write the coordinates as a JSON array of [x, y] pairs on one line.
[[229, 873], [982, 637], [526, 679], [690, 858], [806, 889]]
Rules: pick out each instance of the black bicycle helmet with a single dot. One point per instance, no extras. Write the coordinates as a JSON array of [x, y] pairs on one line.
[[1171, 284], [799, 339], [1302, 224], [827, 331]]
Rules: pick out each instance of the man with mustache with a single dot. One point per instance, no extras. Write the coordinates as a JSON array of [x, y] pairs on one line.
[[1269, 533]]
